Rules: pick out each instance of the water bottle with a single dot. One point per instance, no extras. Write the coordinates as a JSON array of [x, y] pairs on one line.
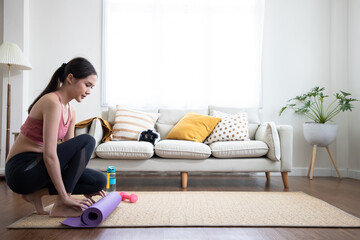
[[111, 179]]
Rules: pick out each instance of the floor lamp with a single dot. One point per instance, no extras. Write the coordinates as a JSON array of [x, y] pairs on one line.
[[11, 57]]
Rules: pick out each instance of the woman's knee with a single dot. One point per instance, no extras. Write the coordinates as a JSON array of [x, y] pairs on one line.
[[96, 179], [101, 181], [87, 140]]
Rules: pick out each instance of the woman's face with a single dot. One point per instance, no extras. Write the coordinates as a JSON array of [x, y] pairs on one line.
[[83, 87]]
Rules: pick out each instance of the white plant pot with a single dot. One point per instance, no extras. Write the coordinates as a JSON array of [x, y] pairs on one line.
[[319, 134]]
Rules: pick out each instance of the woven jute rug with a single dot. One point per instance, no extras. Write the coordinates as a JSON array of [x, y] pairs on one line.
[[215, 209]]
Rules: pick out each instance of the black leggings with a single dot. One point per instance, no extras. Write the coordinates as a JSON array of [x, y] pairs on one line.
[[26, 172]]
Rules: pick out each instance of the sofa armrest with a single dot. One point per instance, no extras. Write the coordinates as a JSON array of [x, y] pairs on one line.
[[83, 130], [286, 146], [95, 129]]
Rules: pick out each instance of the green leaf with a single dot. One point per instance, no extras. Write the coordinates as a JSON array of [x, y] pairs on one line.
[[282, 110], [312, 104], [345, 94]]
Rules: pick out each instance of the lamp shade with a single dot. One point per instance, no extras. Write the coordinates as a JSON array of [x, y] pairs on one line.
[[10, 53]]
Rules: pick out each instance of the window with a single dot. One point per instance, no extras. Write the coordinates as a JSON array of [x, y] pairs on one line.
[[182, 53]]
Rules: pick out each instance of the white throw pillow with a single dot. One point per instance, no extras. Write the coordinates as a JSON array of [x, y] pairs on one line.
[[230, 128], [126, 150], [129, 123], [182, 149], [268, 133], [239, 149]]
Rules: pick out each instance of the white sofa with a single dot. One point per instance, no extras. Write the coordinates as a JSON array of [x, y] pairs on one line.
[[187, 156]]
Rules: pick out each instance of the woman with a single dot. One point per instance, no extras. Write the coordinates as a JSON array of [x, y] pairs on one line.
[[38, 164]]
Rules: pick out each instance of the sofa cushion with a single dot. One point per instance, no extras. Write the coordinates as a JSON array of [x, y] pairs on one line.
[[232, 127], [170, 117], [110, 113], [130, 123], [97, 132], [253, 116], [125, 150], [235, 149], [268, 133], [193, 127], [182, 149]]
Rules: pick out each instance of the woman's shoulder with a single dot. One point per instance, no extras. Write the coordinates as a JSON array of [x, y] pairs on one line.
[[50, 98], [49, 101]]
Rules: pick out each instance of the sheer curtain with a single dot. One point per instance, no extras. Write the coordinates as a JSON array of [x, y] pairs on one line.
[[182, 53]]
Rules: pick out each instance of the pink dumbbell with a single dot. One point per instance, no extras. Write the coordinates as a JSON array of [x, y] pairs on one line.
[[132, 197]]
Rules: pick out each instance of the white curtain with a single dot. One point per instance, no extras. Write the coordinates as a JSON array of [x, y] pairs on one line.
[[182, 53]]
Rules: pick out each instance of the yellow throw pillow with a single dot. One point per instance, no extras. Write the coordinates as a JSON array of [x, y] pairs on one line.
[[193, 127]]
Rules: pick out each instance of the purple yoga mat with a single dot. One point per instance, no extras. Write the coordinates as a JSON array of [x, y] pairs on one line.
[[95, 214]]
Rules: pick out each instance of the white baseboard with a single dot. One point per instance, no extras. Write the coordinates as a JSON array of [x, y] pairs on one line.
[[354, 174], [323, 172]]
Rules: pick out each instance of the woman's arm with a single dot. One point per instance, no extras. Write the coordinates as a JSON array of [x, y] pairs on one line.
[[51, 111]]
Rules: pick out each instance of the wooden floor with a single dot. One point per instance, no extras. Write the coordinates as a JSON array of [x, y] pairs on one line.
[[344, 194]]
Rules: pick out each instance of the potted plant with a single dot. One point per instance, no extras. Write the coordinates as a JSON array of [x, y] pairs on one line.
[[312, 105], [319, 133]]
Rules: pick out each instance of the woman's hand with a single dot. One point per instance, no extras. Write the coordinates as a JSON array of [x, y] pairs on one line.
[[100, 193], [76, 203], [66, 206]]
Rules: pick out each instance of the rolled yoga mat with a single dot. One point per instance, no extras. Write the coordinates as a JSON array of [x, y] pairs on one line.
[[97, 213]]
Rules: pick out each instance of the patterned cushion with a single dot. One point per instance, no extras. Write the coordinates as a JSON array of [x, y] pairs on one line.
[[230, 128], [129, 123]]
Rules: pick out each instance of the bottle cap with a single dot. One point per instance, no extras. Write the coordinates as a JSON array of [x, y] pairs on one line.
[[110, 169]]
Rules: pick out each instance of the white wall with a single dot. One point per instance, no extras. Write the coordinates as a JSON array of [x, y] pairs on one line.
[[339, 73], [354, 85], [305, 44], [295, 59], [16, 30], [1, 85], [60, 31]]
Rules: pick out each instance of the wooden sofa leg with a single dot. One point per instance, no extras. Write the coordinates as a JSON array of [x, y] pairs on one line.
[[184, 179], [285, 179], [267, 176]]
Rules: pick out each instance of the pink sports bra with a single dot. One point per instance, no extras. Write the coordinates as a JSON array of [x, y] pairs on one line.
[[33, 128]]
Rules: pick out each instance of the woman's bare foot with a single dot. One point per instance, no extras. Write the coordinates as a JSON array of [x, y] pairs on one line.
[[35, 199], [61, 210]]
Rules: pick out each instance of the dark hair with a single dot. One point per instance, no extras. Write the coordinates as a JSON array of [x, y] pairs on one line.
[[78, 67]]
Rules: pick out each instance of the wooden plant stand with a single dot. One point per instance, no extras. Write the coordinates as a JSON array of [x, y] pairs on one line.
[[312, 163]]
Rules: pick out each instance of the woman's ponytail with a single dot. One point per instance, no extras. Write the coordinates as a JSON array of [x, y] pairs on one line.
[[79, 67]]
